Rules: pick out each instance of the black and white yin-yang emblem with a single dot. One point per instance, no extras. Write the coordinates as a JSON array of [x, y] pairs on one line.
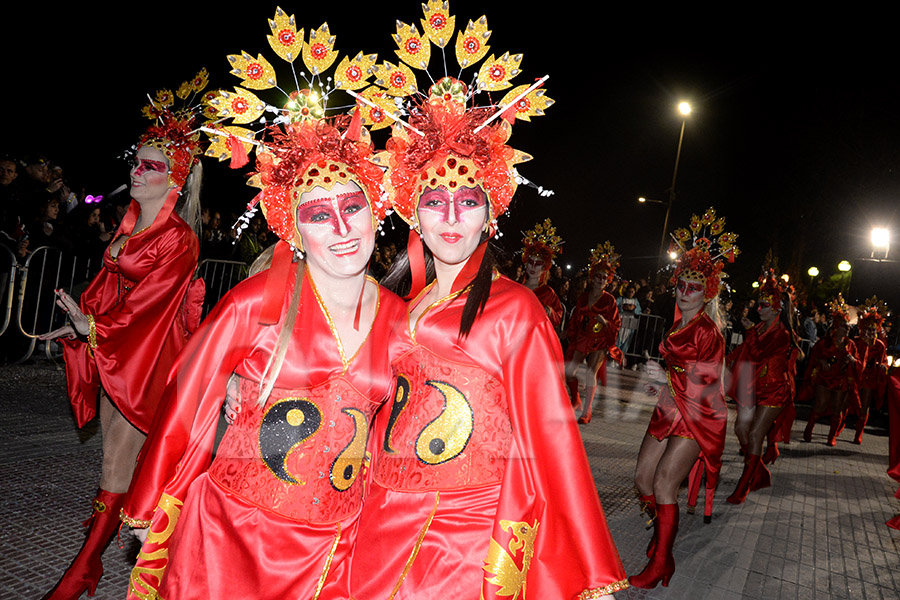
[[286, 425]]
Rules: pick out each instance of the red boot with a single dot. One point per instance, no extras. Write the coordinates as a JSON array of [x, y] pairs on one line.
[[771, 453], [835, 430], [585, 417], [648, 507], [860, 427], [747, 478], [573, 392], [762, 478], [807, 433], [662, 563], [85, 571]]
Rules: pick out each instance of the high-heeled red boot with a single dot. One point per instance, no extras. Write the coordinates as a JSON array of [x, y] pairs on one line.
[[588, 411], [573, 392], [860, 427], [762, 477], [86, 570], [662, 563], [835, 430], [771, 454], [743, 487], [807, 433], [648, 507]]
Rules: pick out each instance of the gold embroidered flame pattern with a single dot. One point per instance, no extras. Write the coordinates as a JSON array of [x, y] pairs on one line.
[[144, 581], [502, 565]]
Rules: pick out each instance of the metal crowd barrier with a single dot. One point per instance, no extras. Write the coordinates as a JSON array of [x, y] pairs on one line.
[[220, 276], [8, 268], [640, 335], [49, 268]]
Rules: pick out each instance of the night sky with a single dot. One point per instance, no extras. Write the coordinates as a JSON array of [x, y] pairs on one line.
[[794, 135]]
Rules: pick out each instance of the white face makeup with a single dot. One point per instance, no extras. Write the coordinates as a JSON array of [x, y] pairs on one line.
[[149, 175], [336, 228], [535, 267], [766, 312], [689, 295], [452, 222]]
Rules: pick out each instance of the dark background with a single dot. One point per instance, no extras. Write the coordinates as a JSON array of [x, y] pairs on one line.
[[794, 135]]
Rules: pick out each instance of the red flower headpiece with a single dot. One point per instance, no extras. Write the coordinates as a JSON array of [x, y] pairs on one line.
[[175, 133], [872, 314], [699, 263], [312, 154], [542, 241], [604, 258]]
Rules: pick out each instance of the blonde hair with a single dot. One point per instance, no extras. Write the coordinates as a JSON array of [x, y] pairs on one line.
[[276, 360], [188, 206]]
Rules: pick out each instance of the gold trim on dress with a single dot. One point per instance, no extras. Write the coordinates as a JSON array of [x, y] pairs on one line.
[[334, 332], [133, 523], [92, 332], [594, 594], [415, 550], [334, 545]]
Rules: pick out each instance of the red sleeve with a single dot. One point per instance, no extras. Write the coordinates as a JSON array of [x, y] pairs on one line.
[[610, 312], [548, 503], [137, 337], [551, 304]]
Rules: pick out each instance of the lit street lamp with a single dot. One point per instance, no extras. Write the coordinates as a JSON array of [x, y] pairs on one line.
[[844, 266], [881, 241], [813, 271]]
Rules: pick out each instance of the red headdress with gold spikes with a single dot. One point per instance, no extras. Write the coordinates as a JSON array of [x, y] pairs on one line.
[[872, 313], [175, 133], [710, 247], [839, 310], [541, 241], [604, 258], [772, 290], [301, 148]]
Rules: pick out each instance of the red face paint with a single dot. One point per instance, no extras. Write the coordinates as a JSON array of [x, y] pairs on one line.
[[143, 165], [332, 211], [689, 288], [452, 207]]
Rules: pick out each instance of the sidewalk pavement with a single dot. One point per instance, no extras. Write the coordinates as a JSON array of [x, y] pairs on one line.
[[818, 532]]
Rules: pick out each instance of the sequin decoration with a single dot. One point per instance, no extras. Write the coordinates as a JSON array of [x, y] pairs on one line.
[[286, 425], [286, 40], [446, 436], [346, 467], [471, 44], [502, 567], [412, 48], [319, 52]]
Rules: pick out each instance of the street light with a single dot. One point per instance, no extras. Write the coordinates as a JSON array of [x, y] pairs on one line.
[[881, 241], [813, 271], [844, 266], [786, 277]]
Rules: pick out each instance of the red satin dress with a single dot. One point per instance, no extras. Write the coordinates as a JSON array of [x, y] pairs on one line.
[[550, 301], [480, 484], [764, 366], [873, 360], [692, 403], [586, 334], [838, 374], [274, 515], [142, 319]]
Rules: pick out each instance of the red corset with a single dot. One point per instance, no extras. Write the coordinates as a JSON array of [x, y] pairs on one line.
[[449, 426], [300, 455]]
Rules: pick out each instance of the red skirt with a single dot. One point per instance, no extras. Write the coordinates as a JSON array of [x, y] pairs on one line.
[[223, 547], [450, 556], [667, 420], [775, 397]]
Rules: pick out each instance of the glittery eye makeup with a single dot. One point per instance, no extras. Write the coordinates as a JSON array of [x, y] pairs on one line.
[[462, 200], [332, 211], [144, 165], [688, 288]]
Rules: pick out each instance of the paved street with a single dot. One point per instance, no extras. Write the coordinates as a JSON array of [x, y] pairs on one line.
[[818, 532]]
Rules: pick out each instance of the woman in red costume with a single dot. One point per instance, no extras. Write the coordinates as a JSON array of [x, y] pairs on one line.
[[893, 398], [688, 426], [832, 373], [480, 485], [133, 319], [762, 370], [540, 246], [872, 353], [593, 329], [274, 515]]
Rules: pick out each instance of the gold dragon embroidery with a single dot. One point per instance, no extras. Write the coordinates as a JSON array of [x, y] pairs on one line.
[[500, 563]]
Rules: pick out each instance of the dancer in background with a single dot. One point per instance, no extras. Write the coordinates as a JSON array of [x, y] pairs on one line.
[[832, 373], [688, 426], [539, 247], [762, 369], [135, 316], [593, 329], [872, 353]]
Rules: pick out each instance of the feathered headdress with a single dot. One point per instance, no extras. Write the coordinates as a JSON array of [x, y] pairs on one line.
[[174, 132], [710, 247], [839, 310]]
